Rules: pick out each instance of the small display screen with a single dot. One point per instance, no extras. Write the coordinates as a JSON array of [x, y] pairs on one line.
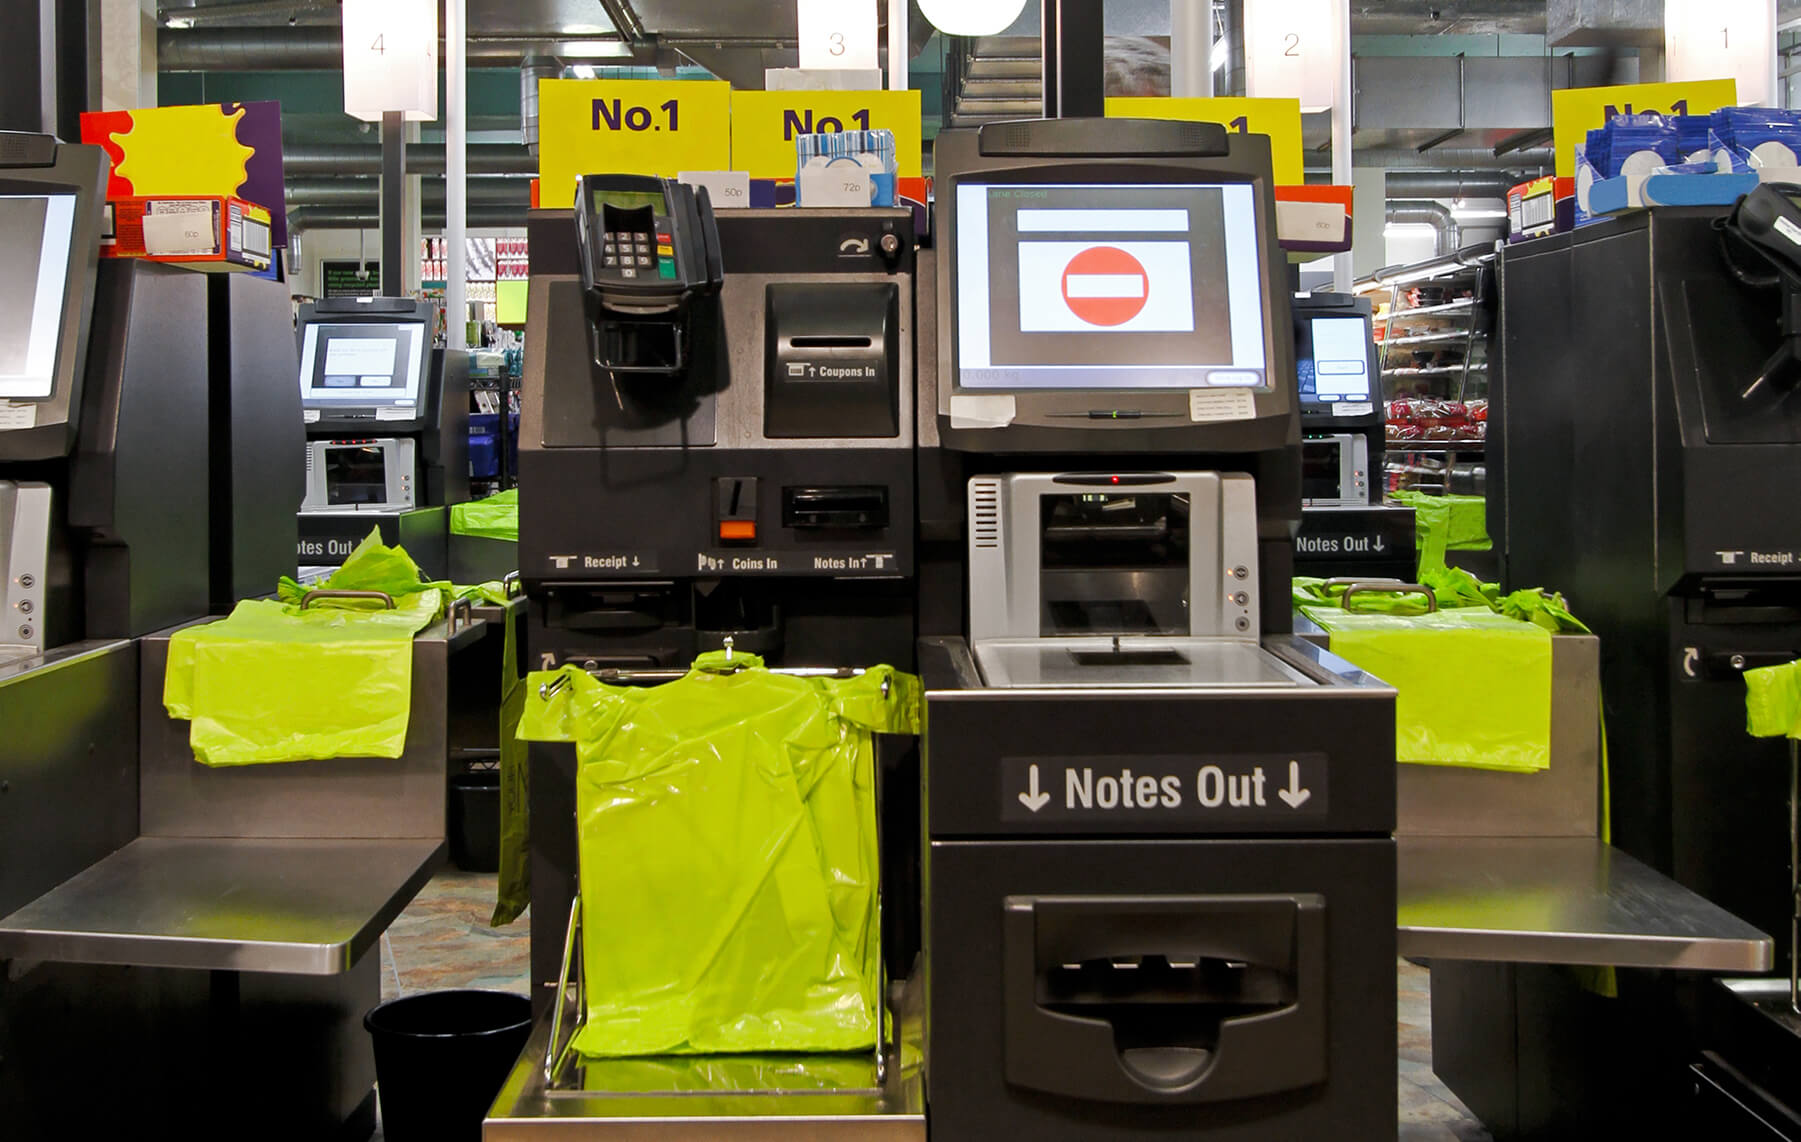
[[36, 233], [629, 199], [1322, 466], [1333, 361], [361, 363], [1109, 287]]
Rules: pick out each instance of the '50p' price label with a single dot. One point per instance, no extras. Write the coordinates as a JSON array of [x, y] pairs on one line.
[[629, 126]]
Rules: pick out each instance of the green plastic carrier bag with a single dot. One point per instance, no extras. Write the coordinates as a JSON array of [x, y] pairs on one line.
[[496, 517], [272, 682], [727, 834], [1473, 687], [1773, 701]]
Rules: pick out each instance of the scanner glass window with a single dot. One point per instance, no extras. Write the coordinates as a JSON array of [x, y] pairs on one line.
[[1108, 287], [1114, 563], [35, 236], [356, 476]]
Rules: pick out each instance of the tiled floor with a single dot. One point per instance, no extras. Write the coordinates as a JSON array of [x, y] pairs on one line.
[[444, 940]]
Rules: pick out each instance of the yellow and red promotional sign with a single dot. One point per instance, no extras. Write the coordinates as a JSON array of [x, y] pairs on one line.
[[640, 126], [218, 150]]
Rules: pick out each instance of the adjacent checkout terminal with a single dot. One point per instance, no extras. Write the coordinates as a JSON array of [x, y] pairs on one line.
[[1341, 403], [1143, 910], [387, 428], [716, 447]]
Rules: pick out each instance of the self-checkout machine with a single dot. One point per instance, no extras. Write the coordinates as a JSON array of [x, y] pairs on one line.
[[189, 920], [1158, 867], [387, 427], [716, 449], [1347, 531]]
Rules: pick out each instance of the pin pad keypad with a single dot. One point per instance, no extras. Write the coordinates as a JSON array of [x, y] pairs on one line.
[[639, 247]]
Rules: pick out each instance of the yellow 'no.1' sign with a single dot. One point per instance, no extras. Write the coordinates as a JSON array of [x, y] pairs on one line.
[[1280, 119], [628, 126]]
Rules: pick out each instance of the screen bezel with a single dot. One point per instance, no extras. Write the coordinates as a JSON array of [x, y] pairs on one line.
[[1089, 172], [312, 342], [44, 313], [82, 171], [1066, 177]]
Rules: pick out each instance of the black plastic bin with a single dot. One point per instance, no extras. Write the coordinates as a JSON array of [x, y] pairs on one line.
[[475, 821], [441, 1057]]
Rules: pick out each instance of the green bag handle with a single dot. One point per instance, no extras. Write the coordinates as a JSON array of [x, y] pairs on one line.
[[1388, 587], [307, 599]]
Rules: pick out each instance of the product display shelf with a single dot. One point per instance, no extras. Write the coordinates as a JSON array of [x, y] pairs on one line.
[[1432, 327]]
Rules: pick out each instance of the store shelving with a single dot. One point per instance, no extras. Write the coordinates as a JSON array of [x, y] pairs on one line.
[[1432, 325]]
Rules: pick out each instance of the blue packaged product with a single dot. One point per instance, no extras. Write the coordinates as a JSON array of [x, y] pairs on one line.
[[1759, 137]]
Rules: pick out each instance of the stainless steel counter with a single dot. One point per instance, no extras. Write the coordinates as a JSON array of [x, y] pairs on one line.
[[757, 1099], [306, 907], [1555, 900]]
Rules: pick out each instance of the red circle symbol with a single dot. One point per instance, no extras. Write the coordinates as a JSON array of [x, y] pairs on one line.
[[1104, 285]]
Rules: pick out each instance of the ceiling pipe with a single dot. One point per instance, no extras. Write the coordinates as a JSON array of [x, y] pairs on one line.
[[1529, 161], [192, 15], [316, 47], [1450, 184], [1411, 211], [480, 216], [302, 159], [309, 192]]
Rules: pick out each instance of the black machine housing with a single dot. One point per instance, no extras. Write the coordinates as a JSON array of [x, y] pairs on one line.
[[1649, 477], [762, 492]]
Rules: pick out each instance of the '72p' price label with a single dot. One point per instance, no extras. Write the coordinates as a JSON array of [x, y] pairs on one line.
[[628, 126]]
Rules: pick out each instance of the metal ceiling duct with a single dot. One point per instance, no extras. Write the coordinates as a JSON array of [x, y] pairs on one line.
[[531, 70], [432, 219], [1527, 162], [1406, 211], [302, 159], [309, 192], [1450, 184], [307, 48]]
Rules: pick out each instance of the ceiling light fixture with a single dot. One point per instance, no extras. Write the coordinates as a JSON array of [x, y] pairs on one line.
[[1221, 53], [594, 49], [972, 17]]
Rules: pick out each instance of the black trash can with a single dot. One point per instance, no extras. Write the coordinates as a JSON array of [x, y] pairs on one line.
[[475, 821], [441, 1057]]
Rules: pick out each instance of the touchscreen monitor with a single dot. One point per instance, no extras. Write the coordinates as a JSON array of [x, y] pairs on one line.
[[1108, 287]]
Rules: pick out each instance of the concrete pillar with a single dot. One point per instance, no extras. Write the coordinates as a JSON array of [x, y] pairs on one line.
[[1369, 215], [122, 53]]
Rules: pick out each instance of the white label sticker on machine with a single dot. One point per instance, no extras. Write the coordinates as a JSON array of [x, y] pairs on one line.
[[17, 414], [1229, 790], [1221, 404]]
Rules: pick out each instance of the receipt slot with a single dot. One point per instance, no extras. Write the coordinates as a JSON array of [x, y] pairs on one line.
[[1166, 999]]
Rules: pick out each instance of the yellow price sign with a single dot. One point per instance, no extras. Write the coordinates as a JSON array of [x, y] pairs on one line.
[[1576, 111], [628, 126], [1280, 119], [766, 123]]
